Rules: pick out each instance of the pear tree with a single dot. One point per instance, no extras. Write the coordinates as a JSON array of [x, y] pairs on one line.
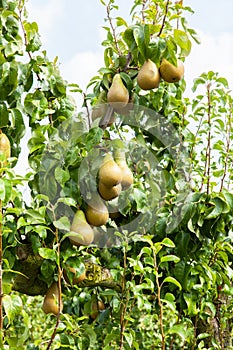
[[124, 240]]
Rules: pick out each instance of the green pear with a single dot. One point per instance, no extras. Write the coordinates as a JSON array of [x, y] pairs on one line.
[[127, 175], [109, 172], [50, 304], [85, 234], [96, 212], [148, 76], [5, 147], [171, 73], [118, 95]]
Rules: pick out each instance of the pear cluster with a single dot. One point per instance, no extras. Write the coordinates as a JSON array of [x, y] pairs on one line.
[[114, 176], [149, 75]]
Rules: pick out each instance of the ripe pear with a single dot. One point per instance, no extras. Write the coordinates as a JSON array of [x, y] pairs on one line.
[[96, 307], [171, 73], [75, 280], [127, 175], [118, 95], [110, 173], [5, 147], [50, 304], [97, 212], [85, 234], [109, 193], [148, 76]]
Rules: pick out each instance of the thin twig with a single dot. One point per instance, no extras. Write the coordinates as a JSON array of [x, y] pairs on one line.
[[164, 18], [143, 10], [113, 29], [87, 109], [228, 145]]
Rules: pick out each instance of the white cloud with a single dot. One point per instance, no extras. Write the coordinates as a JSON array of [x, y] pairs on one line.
[[214, 53], [45, 16], [81, 68]]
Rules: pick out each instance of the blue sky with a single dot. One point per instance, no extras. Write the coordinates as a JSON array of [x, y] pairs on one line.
[[71, 30]]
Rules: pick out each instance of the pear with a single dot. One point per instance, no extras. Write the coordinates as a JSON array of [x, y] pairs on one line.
[[127, 175], [50, 304], [109, 193], [96, 307], [148, 76], [75, 280], [85, 234], [171, 73], [109, 172], [97, 212], [5, 147], [118, 95]]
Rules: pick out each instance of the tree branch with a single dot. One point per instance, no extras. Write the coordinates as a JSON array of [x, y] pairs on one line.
[[164, 18]]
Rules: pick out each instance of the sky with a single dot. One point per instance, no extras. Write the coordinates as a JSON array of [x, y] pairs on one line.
[[72, 30]]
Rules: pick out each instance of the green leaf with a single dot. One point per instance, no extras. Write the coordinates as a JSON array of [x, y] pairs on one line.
[[121, 22], [48, 253], [62, 224], [142, 38], [2, 189], [62, 176], [217, 209], [170, 279], [13, 306], [171, 257], [129, 338], [168, 243], [182, 40], [4, 115]]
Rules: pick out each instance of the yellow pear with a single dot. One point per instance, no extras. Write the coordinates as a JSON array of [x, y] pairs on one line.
[[118, 95], [127, 175], [75, 280], [51, 304], [109, 172], [96, 307], [96, 212], [109, 193], [5, 147], [85, 234], [148, 76], [171, 73]]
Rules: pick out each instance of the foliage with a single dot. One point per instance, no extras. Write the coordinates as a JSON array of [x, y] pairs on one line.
[[169, 250]]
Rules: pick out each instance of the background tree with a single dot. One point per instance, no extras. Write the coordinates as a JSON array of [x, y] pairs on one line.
[[158, 272]]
